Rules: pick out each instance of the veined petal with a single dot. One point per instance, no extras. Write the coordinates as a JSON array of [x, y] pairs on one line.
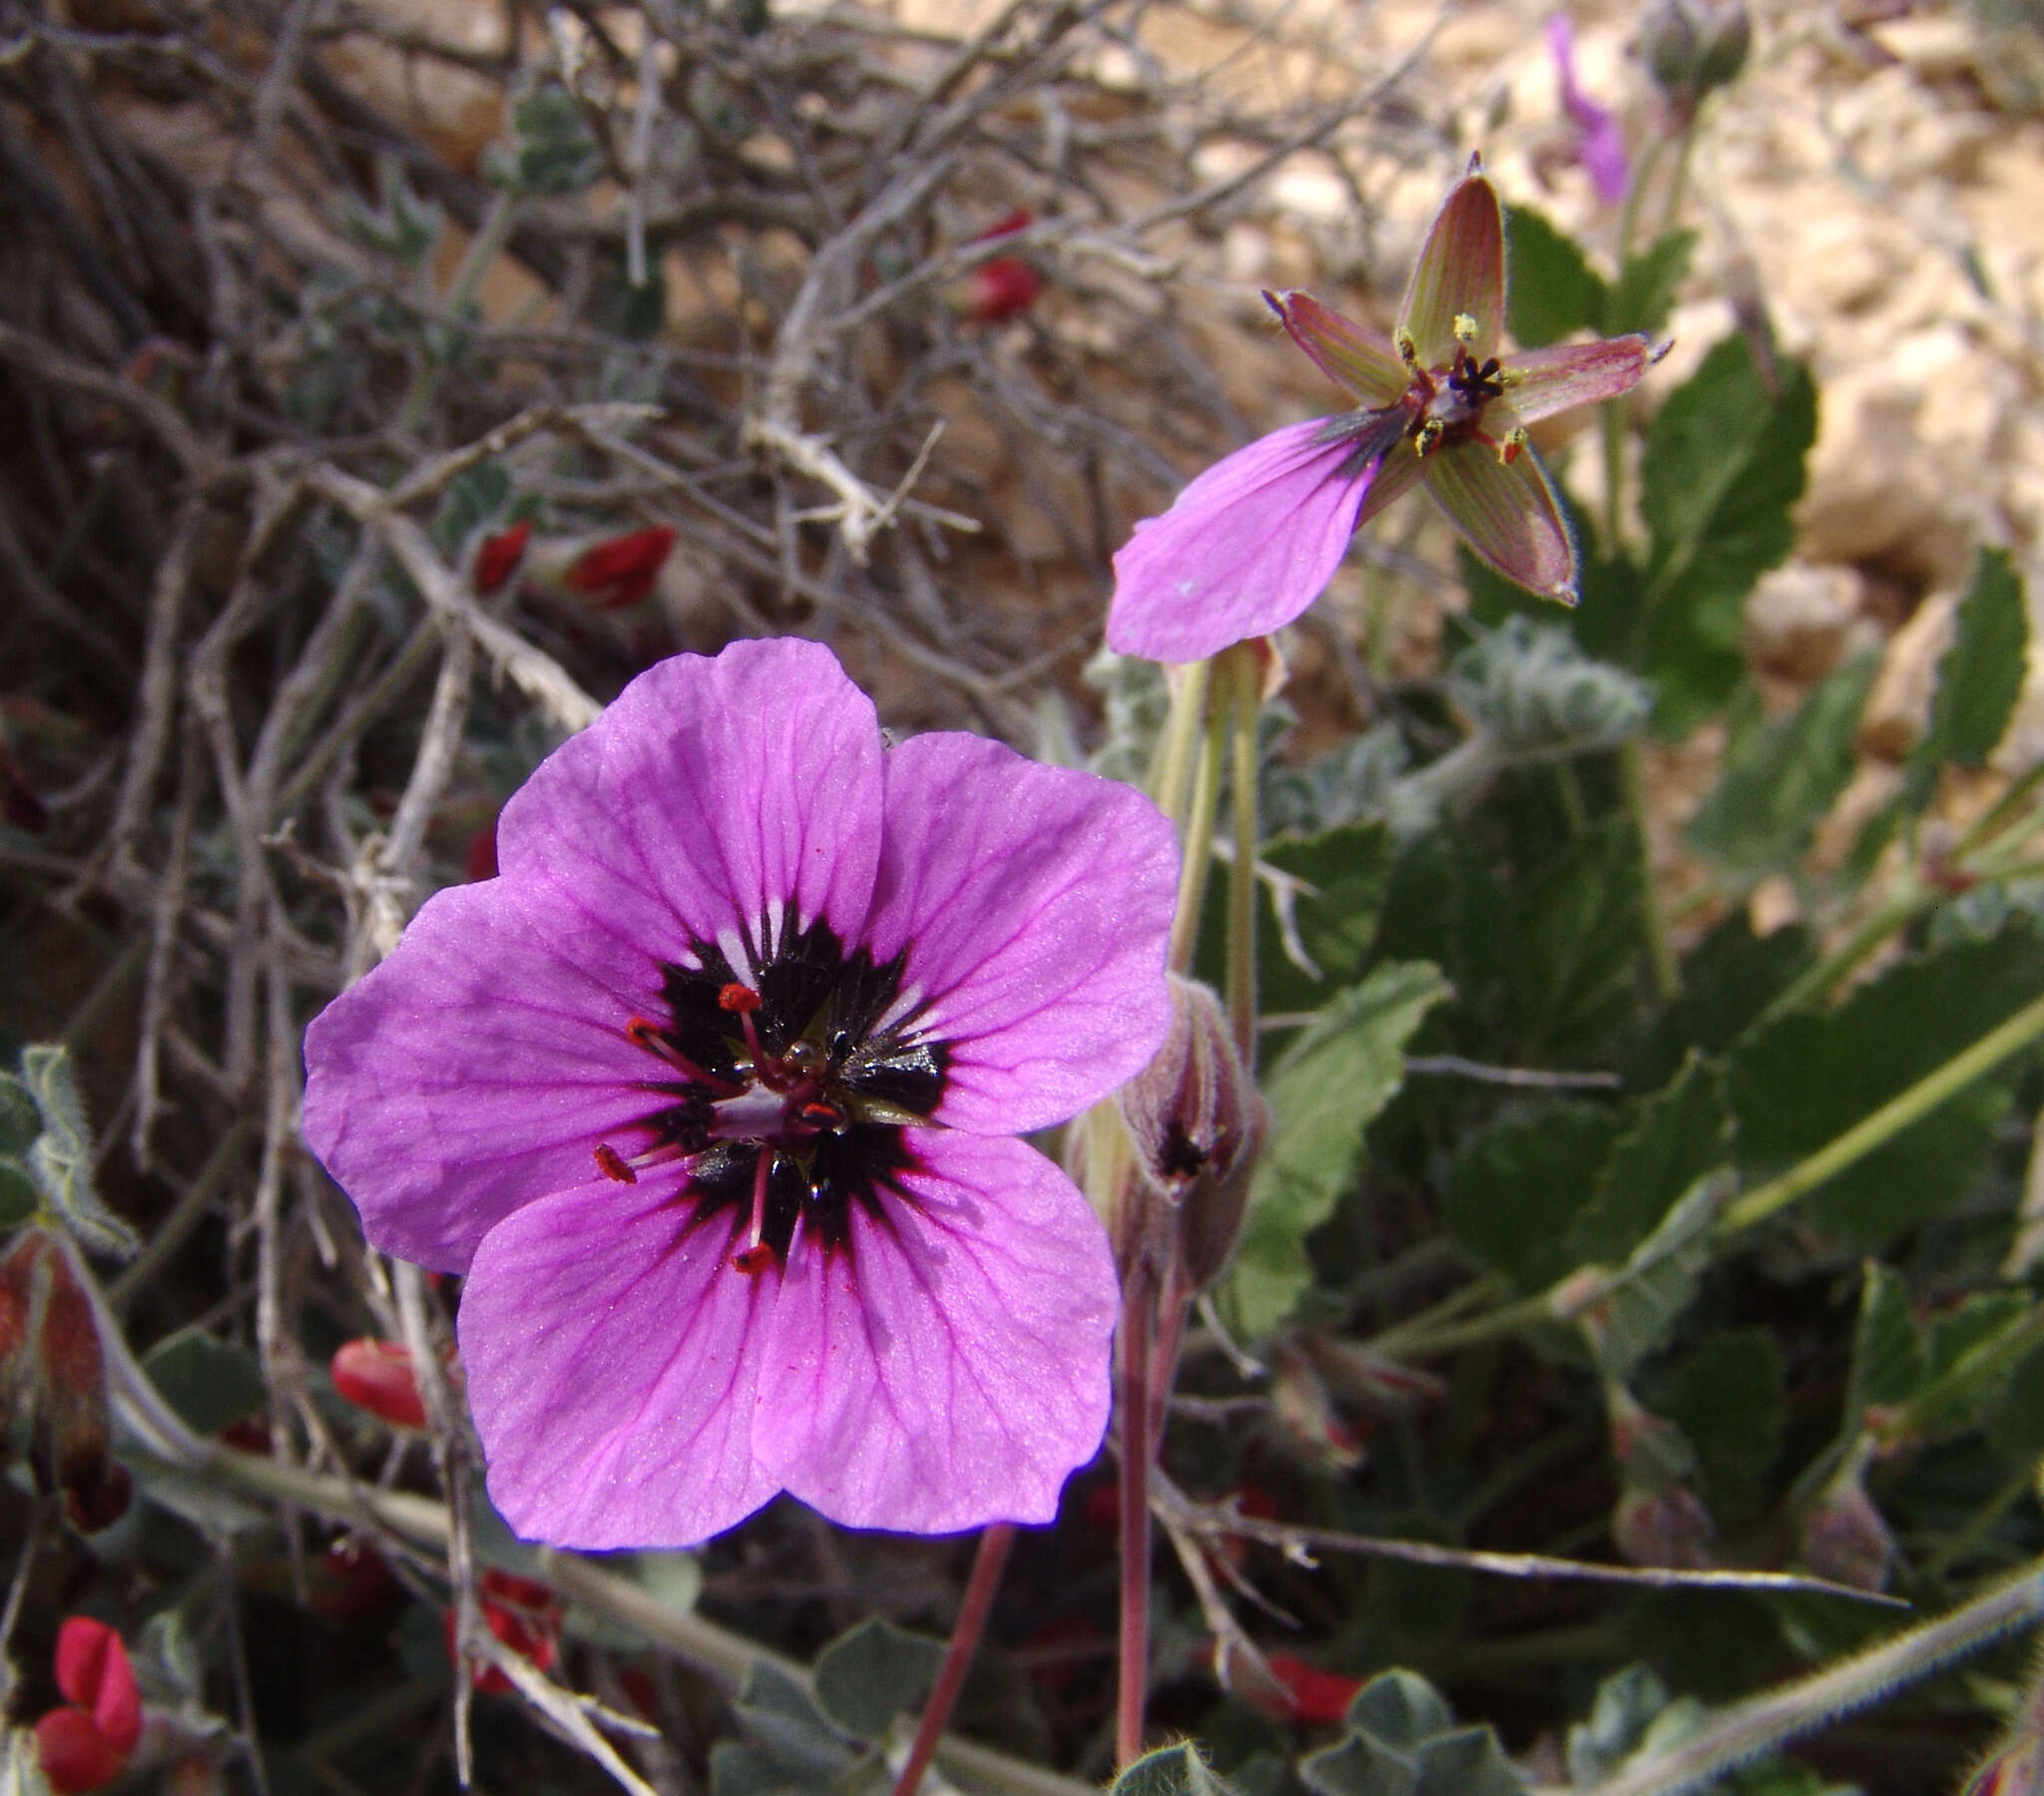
[[728, 790], [614, 1359], [1541, 382], [1508, 515], [1033, 905], [952, 1370], [1461, 270], [1401, 472], [1249, 546], [1350, 354], [476, 1067]]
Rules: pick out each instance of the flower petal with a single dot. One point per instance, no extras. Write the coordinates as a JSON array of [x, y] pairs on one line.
[[1034, 905], [479, 1065], [1249, 546], [1461, 269], [1541, 382], [1600, 145], [1350, 354], [954, 1369], [1508, 515], [614, 1356], [1401, 472], [728, 788]]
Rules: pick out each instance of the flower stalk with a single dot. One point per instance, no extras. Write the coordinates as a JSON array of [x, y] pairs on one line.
[[981, 1587], [1247, 709]]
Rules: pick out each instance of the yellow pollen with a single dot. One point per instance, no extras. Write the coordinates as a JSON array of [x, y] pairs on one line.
[[1408, 346], [1466, 329]]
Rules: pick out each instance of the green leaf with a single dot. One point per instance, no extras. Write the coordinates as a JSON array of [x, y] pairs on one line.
[[1514, 1191], [1659, 1280], [1554, 292], [20, 1120], [1986, 1318], [1728, 980], [1730, 1398], [787, 1727], [1803, 1079], [1648, 283], [1329, 918], [1324, 1091], [866, 1678], [1627, 1703], [553, 150], [1360, 1766], [1979, 677], [2015, 1417], [1576, 940], [1887, 1348], [1467, 1762], [60, 1161], [208, 1382], [1672, 1140], [1400, 1708], [1723, 468], [1782, 775], [1170, 1771], [474, 497], [20, 1196]]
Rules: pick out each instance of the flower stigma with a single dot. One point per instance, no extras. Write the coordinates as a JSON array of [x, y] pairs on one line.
[[791, 1092]]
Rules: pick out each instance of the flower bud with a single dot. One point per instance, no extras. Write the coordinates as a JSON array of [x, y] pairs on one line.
[[498, 557], [620, 571], [523, 1613], [1197, 1121], [377, 1376], [1379, 1387], [51, 1365], [1651, 1452], [1667, 1526], [1843, 1536], [87, 1744], [1693, 46], [1307, 1414]]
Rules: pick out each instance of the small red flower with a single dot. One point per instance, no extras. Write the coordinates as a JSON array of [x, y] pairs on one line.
[[522, 1613], [377, 1376], [620, 571], [497, 560], [86, 1745]]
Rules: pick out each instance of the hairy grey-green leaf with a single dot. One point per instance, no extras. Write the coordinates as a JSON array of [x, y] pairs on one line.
[[1979, 677], [1553, 293], [867, 1676]]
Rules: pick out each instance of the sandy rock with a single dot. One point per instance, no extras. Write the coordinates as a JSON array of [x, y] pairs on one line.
[[1866, 794], [1899, 701], [1801, 620]]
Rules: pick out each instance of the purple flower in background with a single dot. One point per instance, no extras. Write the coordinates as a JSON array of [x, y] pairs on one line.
[[1600, 145], [1254, 540], [712, 1094]]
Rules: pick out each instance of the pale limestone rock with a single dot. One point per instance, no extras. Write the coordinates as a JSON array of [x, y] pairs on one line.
[[1801, 619], [1899, 702]]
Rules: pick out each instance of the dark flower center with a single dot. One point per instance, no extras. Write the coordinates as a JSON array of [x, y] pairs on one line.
[[1439, 408], [789, 1085]]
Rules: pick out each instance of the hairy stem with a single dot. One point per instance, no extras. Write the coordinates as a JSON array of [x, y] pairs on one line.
[[1138, 1324], [981, 1587], [1241, 873], [1198, 846]]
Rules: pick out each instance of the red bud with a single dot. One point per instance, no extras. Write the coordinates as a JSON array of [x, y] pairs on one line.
[[497, 560], [377, 1376], [521, 1613], [94, 1672], [74, 1755], [1001, 287], [620, 571]]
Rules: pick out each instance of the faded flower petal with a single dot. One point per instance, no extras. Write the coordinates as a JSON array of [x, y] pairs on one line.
[[1247, 546], [1032, 906], [1350, 354], [1460, 273], [1600, 145], [1508, 515], [954, 1368], [1541, 382], [614, 1361]]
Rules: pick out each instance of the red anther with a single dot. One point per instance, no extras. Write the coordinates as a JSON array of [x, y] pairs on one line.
[[641, 1032], [752, 1260], [741, 999], [822, 1115], [497, 560], [612, 1165], [1510, 452]]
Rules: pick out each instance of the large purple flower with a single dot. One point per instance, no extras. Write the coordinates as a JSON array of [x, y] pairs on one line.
[[1255, 539], [713, 1093]]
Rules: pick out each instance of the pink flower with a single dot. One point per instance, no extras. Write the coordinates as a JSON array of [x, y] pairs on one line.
[[1600, 145], [87, 1744], [1255, 539], [712, 1092]]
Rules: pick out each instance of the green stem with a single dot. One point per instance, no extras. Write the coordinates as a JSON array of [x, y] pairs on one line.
[[1631, 765], [1740, 1734], [1528, 1312], [1399, 1338], [980, 1588], [1897, 911], [1173, 756], [1242, 874], [176, 1229], [1198, 846], [2001, 811], [1998, 1044]]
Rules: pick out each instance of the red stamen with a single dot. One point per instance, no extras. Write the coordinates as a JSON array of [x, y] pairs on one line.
[[754, 1256], [741, 999], [612, 1165], [642, 1032]]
